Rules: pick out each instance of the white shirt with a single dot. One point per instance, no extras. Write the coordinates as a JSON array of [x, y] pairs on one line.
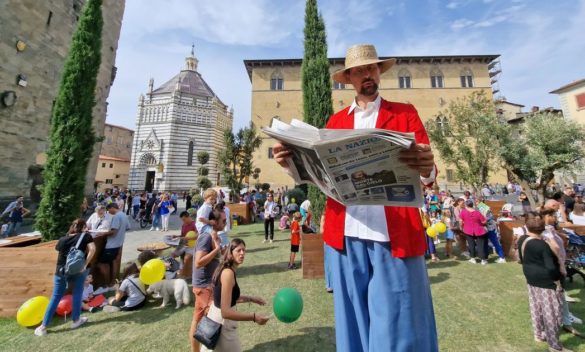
[[369, 221], [577, 219], [96, 223]]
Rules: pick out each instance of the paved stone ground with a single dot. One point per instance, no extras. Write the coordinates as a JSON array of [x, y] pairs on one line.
[[137, 236]]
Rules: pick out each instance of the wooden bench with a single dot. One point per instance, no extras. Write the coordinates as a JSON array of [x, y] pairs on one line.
[[25, 272], [312, 256]]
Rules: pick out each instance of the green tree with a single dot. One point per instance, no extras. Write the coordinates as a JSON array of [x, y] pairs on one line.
[[546, 143], [72, 138], [203, 182], [316, 85], [466, 137], [235, 161]]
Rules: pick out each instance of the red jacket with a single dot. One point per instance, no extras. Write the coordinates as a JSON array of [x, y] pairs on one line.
[[404, 224]]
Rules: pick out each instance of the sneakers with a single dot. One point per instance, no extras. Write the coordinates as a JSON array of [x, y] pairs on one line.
[[157, 229], [292, 266], [78, 323], [270, 241], [41, 331], [574, 319], [484, 262], [570, 299], [264, 241], [151, 229], [501, 260], [465, 254], [473, 261]]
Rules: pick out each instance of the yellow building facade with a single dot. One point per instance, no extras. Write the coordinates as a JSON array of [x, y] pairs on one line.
[[572, 98], [429, 83], [114, 159]]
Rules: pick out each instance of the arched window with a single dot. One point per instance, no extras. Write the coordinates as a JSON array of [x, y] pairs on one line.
[[276, 81], [148, 159], [466, 78], [404, 80], [190, 154], [436, 78]]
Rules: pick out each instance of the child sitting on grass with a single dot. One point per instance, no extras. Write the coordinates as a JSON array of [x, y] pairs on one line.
[[90, 302], [131, 294], [295, 238]]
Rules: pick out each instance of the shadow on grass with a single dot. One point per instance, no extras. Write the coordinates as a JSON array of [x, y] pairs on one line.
[[313, 339], [262, 269], [148, 314], [442, 264], [260, 249], [440, 277]]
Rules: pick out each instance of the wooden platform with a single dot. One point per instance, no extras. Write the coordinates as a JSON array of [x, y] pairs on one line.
[[312, 256], [25, 272], [241, 209], [19, 241]]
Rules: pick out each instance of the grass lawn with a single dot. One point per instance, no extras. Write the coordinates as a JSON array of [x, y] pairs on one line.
[[477, 308]]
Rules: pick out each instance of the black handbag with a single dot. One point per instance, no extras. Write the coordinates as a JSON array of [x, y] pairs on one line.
[[208, 332]]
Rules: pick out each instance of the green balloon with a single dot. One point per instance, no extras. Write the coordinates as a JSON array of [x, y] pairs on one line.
[[287, 305]]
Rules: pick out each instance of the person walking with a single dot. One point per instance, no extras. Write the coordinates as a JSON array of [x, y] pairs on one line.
[[15, 218], [269, 214], [473, 223], [542, 272], [79, 238], [226, 295], [376, 250]]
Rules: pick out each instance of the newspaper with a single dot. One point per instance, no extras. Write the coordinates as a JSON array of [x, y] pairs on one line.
[[354, 167]]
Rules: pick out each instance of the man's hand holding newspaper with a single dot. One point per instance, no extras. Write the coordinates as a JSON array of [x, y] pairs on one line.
[[365, 166]]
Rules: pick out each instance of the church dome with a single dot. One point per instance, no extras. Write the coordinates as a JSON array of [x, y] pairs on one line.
[[187, 81]]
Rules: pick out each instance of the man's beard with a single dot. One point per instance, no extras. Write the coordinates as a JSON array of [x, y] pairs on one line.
[[369, 90]]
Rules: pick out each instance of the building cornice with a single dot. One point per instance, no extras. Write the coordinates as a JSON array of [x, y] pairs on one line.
[[441, 59]]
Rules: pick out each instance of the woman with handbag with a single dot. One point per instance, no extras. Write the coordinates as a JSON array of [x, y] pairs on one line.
[[80, 239], [220, 324], [545, 294]]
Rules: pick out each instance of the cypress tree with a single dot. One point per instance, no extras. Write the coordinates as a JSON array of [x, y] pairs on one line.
[[316, 85], [72, 137]]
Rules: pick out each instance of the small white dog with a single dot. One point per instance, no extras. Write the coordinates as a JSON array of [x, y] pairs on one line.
[[166, 288]]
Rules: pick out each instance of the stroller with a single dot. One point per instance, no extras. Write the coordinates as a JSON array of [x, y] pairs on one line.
[[575, 256]]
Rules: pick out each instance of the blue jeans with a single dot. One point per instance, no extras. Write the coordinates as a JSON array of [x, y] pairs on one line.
[[13, 228], [493, 237], [327, 259], [156, 220], [381, 303], [136, 210], [60, 285]]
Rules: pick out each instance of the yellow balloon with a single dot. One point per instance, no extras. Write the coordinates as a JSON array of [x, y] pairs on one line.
[[440, 227], [152, 271], [32, 312], [431, 232], [191, 238]]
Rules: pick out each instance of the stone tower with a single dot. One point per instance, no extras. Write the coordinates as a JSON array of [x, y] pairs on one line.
[[174, 122], [35, 37]]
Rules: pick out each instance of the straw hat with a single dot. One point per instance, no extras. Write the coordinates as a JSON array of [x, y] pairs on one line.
[[360, 55]]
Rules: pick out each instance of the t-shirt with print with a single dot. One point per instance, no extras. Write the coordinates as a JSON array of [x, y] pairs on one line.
[[295, 233], [203, 213], [65, 244], [134, 295], [202, 276], [120, 223]]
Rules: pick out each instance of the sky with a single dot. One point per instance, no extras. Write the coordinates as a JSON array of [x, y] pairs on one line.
[[541, 42]]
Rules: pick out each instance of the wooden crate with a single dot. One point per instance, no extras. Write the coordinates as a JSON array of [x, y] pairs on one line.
[[312, 256], [241, 209], [25, 272]]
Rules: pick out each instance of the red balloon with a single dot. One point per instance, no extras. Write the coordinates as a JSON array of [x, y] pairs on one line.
[[65, 305]]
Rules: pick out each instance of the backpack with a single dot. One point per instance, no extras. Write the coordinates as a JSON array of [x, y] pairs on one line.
[[75, 262]]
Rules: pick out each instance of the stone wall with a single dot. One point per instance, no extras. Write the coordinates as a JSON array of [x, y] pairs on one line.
[[45, 29]]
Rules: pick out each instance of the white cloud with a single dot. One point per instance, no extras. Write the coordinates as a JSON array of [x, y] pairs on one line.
[[461, 23], [233, 22]]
